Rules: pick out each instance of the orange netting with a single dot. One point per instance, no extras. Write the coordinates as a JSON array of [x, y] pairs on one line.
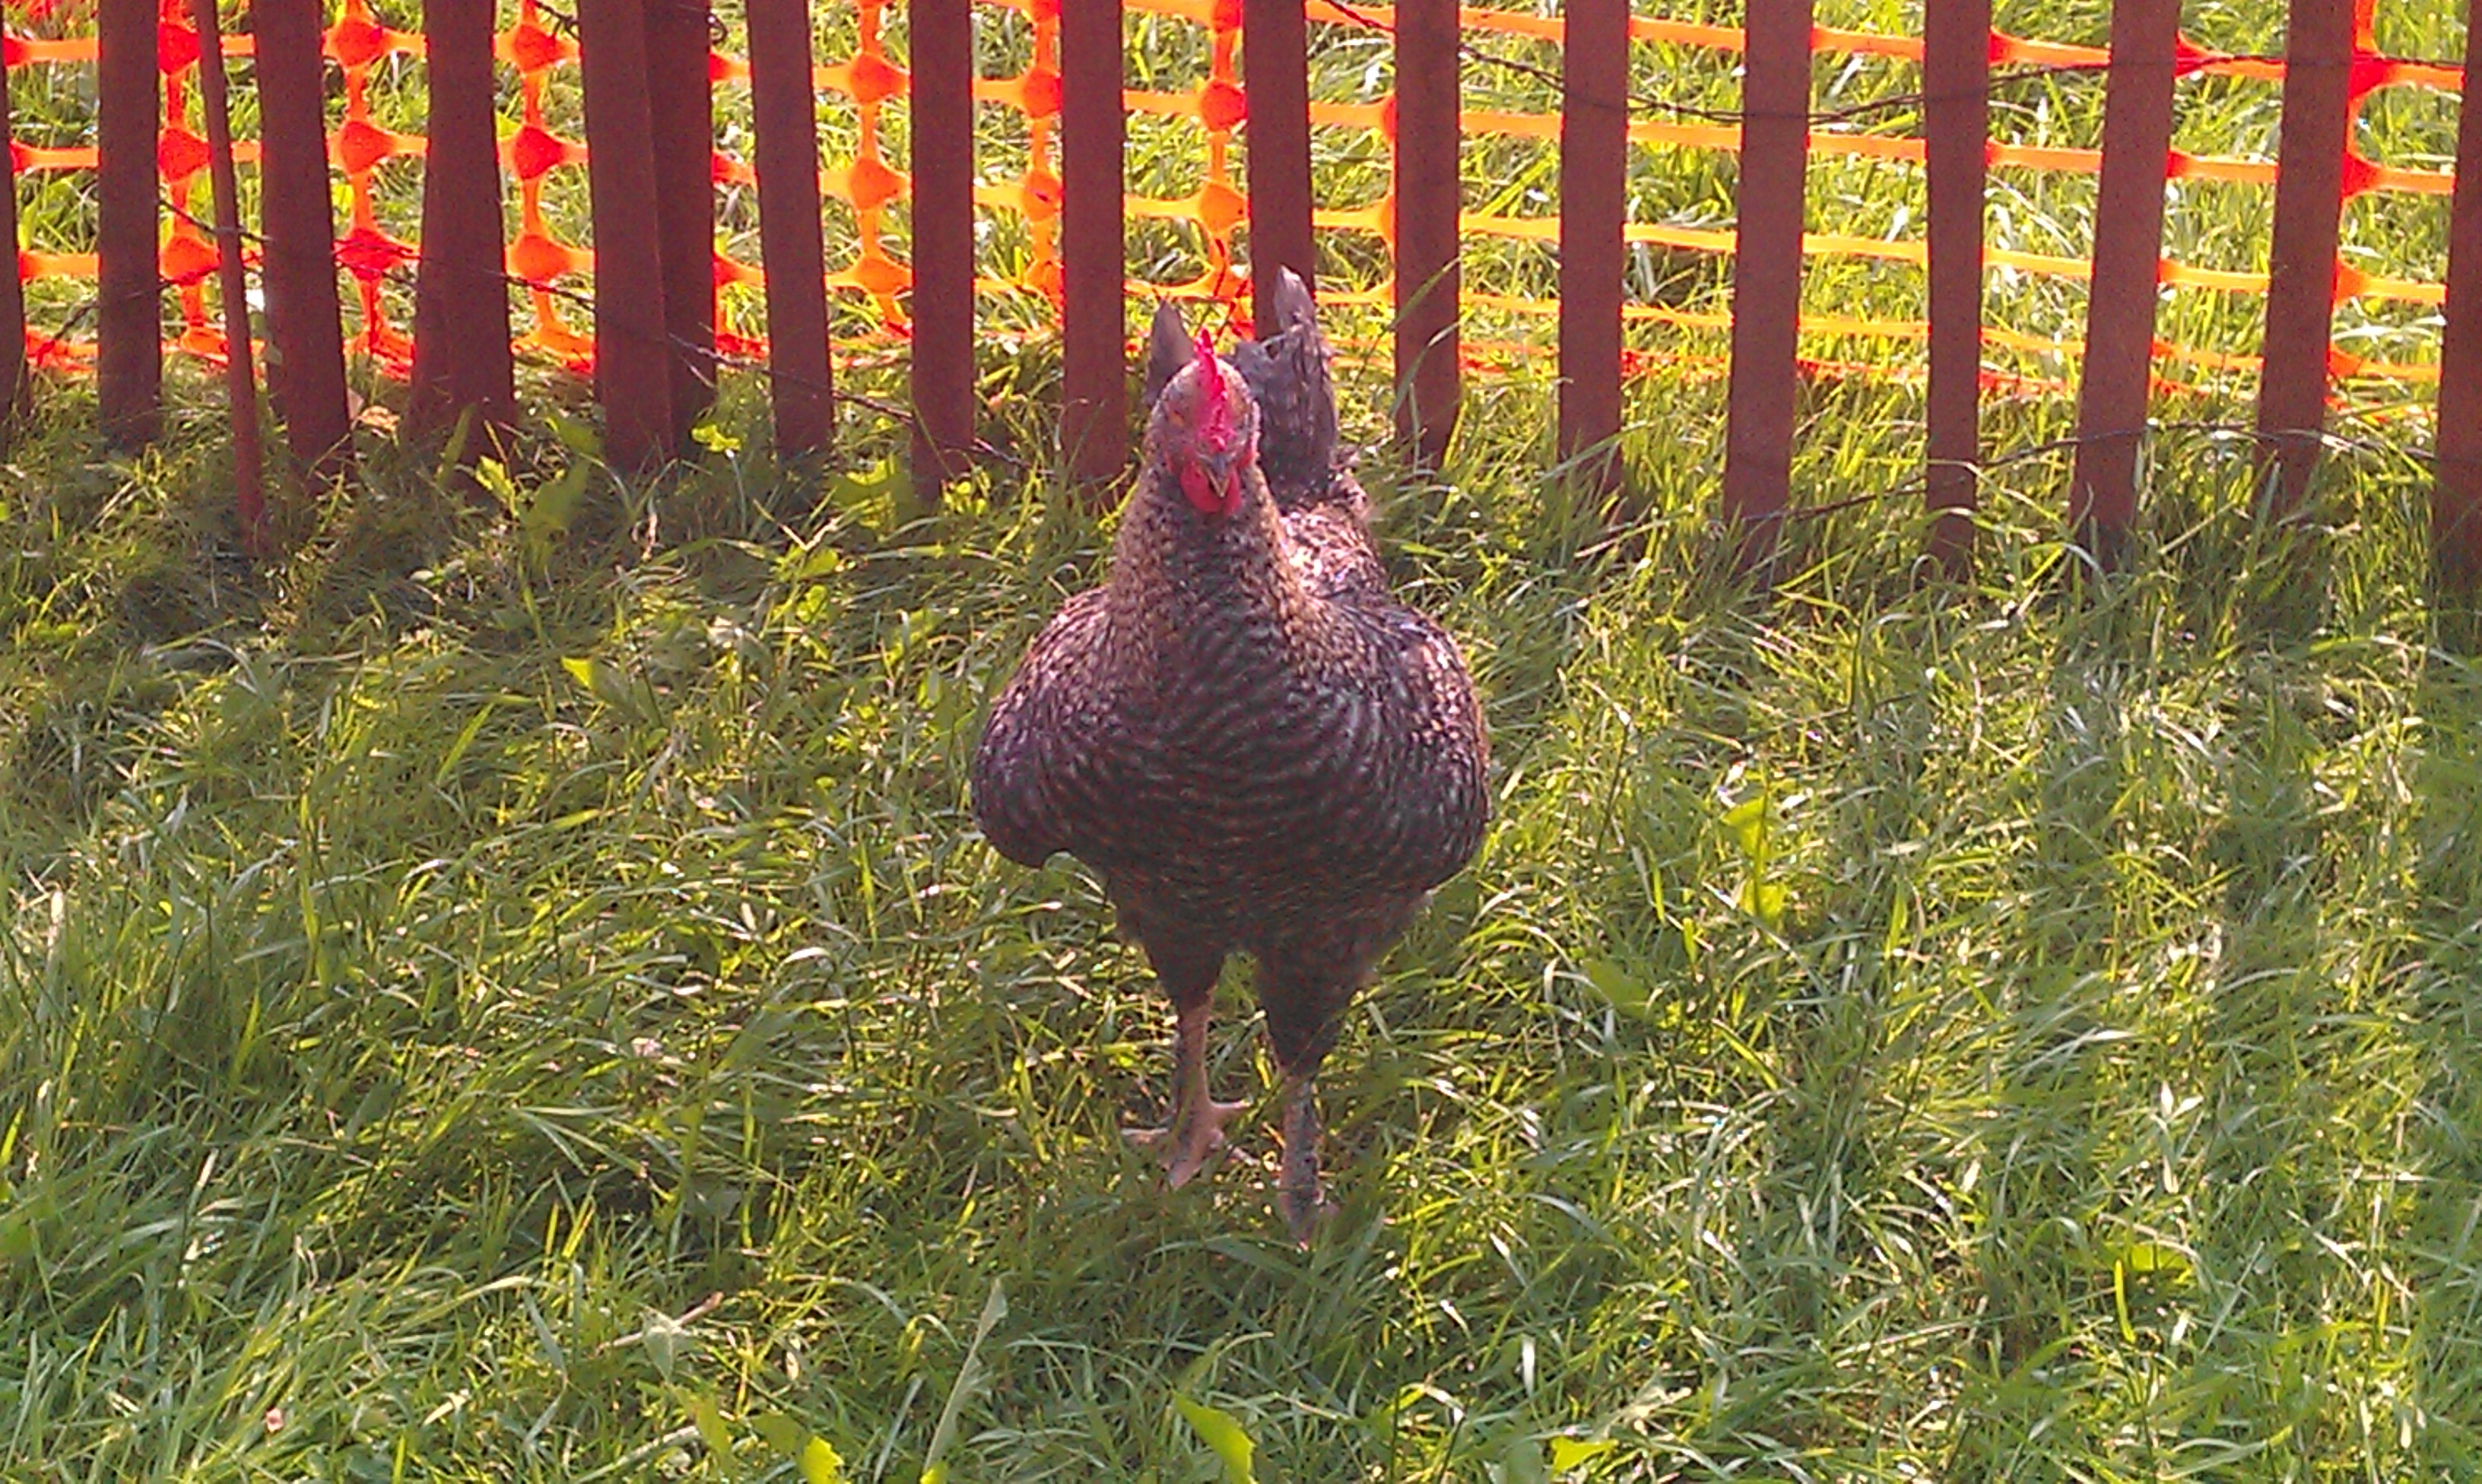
[[546, 266]]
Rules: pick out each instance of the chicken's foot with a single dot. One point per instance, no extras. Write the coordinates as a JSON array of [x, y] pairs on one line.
[[1297, 1192], [1197, 1129]]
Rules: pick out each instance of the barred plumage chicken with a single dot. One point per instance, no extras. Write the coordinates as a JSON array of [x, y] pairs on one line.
[[1241, 733]]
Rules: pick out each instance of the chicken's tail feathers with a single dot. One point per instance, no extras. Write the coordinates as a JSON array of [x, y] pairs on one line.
[[1287, 370], [1169, 349], [1295, 309]]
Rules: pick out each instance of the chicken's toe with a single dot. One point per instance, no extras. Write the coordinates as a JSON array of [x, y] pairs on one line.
[[1193, 1138]]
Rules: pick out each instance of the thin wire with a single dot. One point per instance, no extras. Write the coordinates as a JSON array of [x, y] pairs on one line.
[[1979, 468], [713, 356], [1995, 82], [717, 359]]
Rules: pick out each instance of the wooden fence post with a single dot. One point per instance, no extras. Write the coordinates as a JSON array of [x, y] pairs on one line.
[[2456, 502], [1593, 182], [129, 309], [2301, 279], [1093, 412], [942, 302], [1956, 74], [304, 324], [241, 385], [1766, 274], [2127, 264], [1275, 63], [633, 360], [681, 116], [786, 115], [1429, 194], [16, 386], [460, 294]]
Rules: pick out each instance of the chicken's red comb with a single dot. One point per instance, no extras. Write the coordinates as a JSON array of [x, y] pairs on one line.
[[1215, 407]]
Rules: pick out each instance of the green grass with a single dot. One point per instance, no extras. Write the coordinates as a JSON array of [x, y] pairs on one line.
[[436, 968], [506, 996]]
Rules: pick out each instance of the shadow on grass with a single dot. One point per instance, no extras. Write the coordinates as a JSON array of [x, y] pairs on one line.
[[2442, 975]]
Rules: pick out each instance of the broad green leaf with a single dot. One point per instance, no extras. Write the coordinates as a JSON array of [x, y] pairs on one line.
[[782, 1434], [493, 475], [1748, 823], [2155, 1260], [882, 486], [661, 1335], [579, 439], [453, 453], [1219, 1431], [711, 1430], [820, 561], [1622, 988], [821, 1464], [2120, 1302], [552, 510], [1763, 901], [605, 681], [1520, 1460], [1569, 1453]]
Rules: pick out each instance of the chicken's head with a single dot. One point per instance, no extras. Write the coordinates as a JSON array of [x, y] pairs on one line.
[[1205, 431]]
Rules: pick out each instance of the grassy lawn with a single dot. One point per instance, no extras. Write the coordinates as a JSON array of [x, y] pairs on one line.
[[516, 993], [470, 1008]]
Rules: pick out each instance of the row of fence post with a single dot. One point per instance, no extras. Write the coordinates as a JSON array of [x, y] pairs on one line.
[[648, 117]]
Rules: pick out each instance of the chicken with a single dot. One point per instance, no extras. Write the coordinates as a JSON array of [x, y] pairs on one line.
[[1250, 742]]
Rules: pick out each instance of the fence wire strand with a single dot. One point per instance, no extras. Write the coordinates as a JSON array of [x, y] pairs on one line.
[[716, 358], [1896, 103]]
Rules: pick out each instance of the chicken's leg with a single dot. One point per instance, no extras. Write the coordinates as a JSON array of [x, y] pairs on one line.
[[1197, 1129], [1298, 1193]]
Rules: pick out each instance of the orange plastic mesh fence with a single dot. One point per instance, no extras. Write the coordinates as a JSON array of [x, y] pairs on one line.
[[547, 266]]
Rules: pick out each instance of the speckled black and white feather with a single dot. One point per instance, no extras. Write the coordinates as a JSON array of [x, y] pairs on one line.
[[1249, 740], [1288, 370]]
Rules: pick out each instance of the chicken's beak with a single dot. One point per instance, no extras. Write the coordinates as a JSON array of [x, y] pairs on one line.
[[1224, 475], [1213, 480]]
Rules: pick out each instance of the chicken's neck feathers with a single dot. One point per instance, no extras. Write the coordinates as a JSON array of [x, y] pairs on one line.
[[1178, 577]]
